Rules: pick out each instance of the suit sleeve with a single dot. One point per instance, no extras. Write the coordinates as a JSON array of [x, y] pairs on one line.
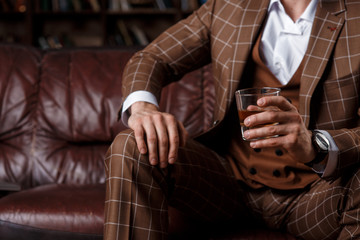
[[348, 142], [180, 49]]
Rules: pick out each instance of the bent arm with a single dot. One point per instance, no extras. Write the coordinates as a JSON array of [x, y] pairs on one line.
[[180, 49]]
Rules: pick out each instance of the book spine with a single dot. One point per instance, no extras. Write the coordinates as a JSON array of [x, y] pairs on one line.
[[114, 5], [139, 35], [77, 5], [125, 33], [95, 6], [124, 5]]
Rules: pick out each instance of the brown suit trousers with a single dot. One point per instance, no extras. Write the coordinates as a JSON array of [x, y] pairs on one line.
[[201, 183]]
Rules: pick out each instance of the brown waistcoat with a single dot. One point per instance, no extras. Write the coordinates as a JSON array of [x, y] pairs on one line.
[[269, 167]]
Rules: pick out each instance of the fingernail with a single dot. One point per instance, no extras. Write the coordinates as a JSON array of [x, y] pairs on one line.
[[163, 165], [247, 121], [153, 161], [252, 144], [260, 101], [143, 151], [171, 160], [246, 134]]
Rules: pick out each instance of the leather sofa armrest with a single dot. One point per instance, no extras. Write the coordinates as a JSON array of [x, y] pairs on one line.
[[7, 188], [10, 187]]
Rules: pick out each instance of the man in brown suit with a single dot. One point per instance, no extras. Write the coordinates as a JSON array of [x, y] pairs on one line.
[[306, 181]]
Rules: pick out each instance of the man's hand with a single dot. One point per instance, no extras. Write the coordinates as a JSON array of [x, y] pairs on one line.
[[293, 135], [157, 134]]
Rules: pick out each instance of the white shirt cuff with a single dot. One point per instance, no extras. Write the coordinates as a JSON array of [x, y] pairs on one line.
[[137, 96]]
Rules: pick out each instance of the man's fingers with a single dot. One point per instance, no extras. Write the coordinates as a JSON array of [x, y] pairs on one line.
[[278, 101], [139, 138], [163, 139], [152, 141], [157, 134], [174, 139], [270, 117]]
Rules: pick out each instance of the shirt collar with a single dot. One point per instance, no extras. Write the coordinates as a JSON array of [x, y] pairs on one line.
[[272, 2], [308, 14], [310, 11]]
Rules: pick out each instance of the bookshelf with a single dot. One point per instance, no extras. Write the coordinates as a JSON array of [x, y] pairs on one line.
[[83, 23]]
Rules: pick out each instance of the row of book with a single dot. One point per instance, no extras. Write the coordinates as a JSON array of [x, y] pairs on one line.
[[128, 35], [94, 5], [9, 38], [68, 5], [69, 40], [12, 5], [55, 42], [125, 35], [125, 5]]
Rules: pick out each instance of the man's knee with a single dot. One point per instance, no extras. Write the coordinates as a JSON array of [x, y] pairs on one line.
[[124, 152], [125, 165], [123, 142]]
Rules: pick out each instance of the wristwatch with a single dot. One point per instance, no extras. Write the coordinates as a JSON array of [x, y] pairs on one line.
[[321, 145]]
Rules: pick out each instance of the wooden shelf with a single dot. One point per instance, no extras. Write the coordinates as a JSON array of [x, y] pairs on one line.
[[67, 14], [12, 15], [100, 27], [144, 11]]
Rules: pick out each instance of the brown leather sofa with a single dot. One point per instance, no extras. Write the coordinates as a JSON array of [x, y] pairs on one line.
[[58, 115]]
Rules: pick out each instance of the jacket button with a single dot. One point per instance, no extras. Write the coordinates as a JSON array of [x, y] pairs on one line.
[[279, 152], [276, 173], [257, 150], [252, 171], [215, 122]]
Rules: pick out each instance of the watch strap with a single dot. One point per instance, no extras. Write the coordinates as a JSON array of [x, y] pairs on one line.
[[320, 156]]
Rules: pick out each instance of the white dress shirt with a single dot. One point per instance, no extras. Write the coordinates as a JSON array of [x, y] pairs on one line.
[[284, 42], [282, 47]]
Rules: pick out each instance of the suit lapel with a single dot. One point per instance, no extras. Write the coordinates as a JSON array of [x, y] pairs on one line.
[[249, 20], [326, 28]]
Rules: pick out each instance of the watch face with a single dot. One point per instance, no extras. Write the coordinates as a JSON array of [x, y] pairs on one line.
[[322, 141]]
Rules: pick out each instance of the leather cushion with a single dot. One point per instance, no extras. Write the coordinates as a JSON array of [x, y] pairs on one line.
[[10, 231], [54, 209], [19, 74]]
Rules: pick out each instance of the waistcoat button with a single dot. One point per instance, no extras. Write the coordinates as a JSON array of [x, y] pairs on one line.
[[279, 152], [276, 173], [257, 150], [252, 171]]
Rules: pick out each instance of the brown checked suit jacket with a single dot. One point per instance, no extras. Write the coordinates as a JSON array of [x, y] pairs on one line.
[[223, 32]]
